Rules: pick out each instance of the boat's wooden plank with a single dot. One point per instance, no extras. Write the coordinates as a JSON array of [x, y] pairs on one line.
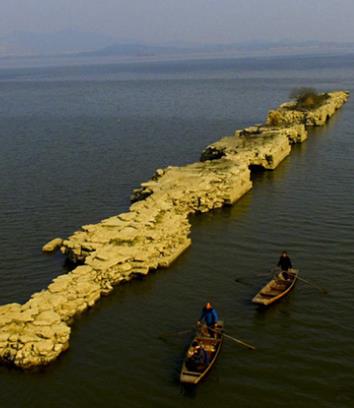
[[192, 373], [193, 377], [270, 292], [275, 289]]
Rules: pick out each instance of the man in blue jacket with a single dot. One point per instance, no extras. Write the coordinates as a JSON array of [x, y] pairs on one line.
[[210, 317]]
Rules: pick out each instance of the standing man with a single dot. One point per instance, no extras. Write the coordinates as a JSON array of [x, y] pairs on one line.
[[209, 316], [285, 262]]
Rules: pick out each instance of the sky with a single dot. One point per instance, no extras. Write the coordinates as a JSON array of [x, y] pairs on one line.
[[188, 21]]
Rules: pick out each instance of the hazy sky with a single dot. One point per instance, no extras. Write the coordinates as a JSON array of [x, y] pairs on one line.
[[210, 21]]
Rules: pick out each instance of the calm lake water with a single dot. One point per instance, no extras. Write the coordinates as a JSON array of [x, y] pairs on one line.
[[75, 141]]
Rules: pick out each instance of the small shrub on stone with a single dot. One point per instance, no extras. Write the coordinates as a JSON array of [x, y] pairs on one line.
[[308, 98]]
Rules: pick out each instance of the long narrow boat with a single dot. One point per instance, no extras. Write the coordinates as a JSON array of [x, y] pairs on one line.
[[212, 345], [277, 288]]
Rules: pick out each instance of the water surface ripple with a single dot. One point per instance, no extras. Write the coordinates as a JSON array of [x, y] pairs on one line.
[[75, 141]]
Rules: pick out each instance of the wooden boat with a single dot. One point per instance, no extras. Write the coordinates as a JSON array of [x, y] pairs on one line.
[[212, 345], [277, 288]]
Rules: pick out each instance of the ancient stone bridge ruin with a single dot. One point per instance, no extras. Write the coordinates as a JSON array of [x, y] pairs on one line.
[[152, 234]]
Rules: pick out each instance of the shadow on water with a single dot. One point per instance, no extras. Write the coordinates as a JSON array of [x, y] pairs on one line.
[[233, 211], [191, 391], [263, 313]]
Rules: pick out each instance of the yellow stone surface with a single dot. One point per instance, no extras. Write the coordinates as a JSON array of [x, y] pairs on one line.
[[52, 245]]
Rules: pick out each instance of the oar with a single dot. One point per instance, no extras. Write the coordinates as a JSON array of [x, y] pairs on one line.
[[249, 346], [239, 280], [323, 290], [161, 336], [263, 274]]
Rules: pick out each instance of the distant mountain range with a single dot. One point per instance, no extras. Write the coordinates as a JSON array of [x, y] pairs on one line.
[[78, 44], [135, 50], [242, 49], [64, 42]]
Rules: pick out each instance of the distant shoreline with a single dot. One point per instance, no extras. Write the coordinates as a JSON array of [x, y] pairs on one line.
[[67, 60]]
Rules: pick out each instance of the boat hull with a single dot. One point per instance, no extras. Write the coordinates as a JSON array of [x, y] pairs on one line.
[[212, 346], [276, 289]]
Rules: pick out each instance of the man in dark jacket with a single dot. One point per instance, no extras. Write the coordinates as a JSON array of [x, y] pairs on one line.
[[198, 358], [209, 316], [285, 262]]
